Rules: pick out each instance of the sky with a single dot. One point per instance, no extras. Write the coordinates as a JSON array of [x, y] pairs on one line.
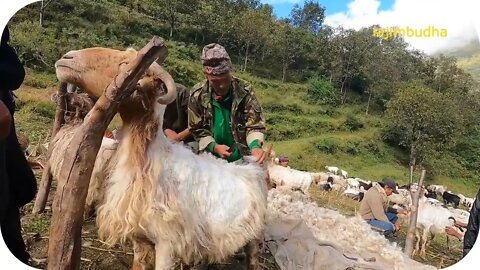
[[455, 16]]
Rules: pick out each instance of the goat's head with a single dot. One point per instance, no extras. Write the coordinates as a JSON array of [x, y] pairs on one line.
[[93, 69]]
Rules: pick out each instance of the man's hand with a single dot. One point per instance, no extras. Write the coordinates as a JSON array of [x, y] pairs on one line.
[[451, 231], [222, 150], [259, 155], [172, 135]]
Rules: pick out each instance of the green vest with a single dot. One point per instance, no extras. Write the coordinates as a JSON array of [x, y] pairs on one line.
[[222, 131]]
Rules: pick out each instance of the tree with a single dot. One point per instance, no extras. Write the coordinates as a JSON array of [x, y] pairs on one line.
[[286, 44], [350, 49], [252, 28], [309, 17], [422, 120], [43, 6], [171, 11]]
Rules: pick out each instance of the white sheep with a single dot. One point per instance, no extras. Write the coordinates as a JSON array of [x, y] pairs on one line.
[[344, 174], [439, 189], [435, 202], [292, 178], [353, 183], [332, 169], [320, 178], [400, 199], [431, 220]]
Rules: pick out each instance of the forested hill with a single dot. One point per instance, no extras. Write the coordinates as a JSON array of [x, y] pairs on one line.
[[331, 95], [468, 58]]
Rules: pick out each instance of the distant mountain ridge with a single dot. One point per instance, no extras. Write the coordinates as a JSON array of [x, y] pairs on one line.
[[468, 57]]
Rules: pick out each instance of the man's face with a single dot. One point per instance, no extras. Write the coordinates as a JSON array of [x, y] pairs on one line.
[[220, 83], [284, 163], [388, 190]]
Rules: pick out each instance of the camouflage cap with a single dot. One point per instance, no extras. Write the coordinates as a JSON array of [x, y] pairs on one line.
[[215, 59]]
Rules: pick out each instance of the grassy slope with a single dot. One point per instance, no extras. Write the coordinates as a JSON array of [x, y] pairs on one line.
[[468, 58], [313, 136]]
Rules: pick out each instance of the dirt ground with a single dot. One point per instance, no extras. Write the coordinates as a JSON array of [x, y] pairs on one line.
[[95, 254]]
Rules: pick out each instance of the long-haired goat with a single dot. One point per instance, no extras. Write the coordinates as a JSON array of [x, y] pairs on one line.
[[161, 195]]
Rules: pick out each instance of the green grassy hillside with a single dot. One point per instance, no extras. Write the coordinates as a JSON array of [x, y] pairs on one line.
[[468, 58], [312, 135]]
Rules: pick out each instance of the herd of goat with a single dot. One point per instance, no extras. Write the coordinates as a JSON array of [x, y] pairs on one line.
[[433, 215]]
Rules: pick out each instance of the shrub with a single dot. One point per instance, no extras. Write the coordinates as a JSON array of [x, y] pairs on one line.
[[182, 73], [40, 80], [352, 123], [327, 146], [321, 92]]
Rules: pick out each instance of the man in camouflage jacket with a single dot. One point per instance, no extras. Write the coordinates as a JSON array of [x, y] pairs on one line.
[[224, 114]]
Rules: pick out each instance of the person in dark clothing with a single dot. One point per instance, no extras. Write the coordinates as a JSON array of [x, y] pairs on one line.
[[473, 226], [470, 235], [16, 173], [5, 122], [175, 121]]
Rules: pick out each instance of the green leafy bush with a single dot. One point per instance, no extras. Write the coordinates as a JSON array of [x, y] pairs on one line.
[[321, 92], [353, 123], [327, 146]]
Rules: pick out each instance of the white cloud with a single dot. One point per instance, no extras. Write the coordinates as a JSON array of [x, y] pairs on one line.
[[454, 16]]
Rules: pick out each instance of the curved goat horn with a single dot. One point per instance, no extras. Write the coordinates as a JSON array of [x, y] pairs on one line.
[[171, 94]]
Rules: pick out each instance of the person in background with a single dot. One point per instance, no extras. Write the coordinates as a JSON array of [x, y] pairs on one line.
[[374, 210], [19, 177], [224, 114], [472, 228], [283, 161], [175, 121], [5, 122]]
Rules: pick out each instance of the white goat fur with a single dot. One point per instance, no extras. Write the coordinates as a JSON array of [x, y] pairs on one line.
[[190, 206], [332, 169], [431, 220], [352, 234], [96, 188], [291, 178]]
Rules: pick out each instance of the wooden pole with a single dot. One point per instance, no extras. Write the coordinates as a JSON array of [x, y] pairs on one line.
[[68, 206], [413, 218], [46, 182]]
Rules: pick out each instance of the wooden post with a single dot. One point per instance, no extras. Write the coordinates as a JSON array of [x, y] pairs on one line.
[[46, 182], [410, 179], [413, 218], [68, 206]]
